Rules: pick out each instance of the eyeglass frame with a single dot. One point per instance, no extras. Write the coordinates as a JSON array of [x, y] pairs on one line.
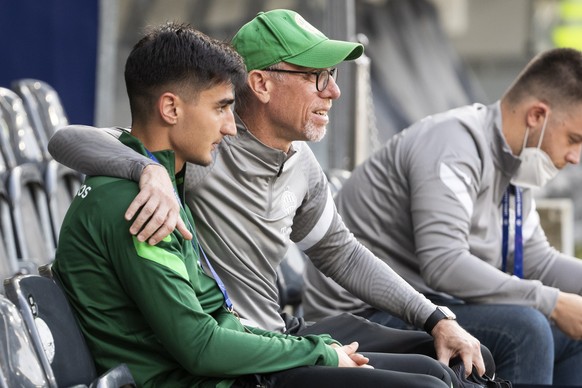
[[332, 73]]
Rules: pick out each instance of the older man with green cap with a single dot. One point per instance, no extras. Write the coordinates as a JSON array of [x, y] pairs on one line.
[[265, 189], [285, 36]]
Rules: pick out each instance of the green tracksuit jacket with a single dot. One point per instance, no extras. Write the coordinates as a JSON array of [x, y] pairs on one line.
[[153, 307]]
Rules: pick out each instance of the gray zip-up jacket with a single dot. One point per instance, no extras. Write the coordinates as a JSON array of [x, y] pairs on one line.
[[248, 204], [429, 204]]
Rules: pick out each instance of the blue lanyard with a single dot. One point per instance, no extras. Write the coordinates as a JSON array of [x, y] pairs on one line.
[[214, 274], [518, 246]]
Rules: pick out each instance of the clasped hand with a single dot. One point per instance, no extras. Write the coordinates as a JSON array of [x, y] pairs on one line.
[[348, 358]]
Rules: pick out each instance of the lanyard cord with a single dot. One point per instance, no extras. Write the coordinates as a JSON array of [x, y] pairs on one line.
[[518, 246], [217, 278]]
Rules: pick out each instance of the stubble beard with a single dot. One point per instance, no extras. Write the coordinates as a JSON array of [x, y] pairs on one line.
[[314, 133]]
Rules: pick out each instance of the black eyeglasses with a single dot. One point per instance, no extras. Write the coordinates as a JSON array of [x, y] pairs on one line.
[[321, 76]]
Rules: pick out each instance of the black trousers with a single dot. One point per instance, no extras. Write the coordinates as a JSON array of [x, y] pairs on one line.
[[391, 370], [374, 337], [401, 358]]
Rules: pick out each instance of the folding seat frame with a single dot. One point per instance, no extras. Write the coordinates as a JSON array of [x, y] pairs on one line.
[[19, 364], [10, 264], [61, 185], [28, 199]]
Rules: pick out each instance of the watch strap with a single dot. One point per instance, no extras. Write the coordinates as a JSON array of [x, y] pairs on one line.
[[435, 318]]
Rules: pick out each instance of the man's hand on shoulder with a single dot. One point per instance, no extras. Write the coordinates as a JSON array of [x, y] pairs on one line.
[[451, 340], [158, 211]]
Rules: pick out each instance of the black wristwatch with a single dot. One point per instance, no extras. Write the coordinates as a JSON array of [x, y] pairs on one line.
[[441, 312]]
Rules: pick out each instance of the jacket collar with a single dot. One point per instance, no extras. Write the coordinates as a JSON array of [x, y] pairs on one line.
[[505, 160], [165, 157], [247, 144]]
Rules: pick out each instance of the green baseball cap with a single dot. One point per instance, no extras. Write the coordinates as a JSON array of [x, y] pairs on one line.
[[284, 36]]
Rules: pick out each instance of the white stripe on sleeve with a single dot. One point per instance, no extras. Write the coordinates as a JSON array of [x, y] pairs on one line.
[[458, 186], [321, 227]]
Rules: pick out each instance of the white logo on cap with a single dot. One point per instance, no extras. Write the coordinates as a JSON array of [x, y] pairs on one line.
[[305, 25]]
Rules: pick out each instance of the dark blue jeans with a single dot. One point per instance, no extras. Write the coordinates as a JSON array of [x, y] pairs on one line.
[[526, 347]]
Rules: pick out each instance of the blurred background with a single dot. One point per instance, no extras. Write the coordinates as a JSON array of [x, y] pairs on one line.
[[422, 57]]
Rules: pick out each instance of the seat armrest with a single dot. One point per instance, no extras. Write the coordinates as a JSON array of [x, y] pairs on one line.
[[117, 377]]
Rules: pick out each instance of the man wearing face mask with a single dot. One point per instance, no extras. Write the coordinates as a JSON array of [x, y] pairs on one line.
[[536, 168], [447, 203]]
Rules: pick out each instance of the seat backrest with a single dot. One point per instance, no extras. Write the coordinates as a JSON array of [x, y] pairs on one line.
[[53, 329], [290, 281], [6, 268], [336, 179], [8, 258], [43, 105], [30, 214], [8, 159], [22, 138], [61, 187], [19, 364]]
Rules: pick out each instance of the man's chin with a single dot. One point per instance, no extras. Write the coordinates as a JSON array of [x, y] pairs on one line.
[[315, 134], [201, 161]]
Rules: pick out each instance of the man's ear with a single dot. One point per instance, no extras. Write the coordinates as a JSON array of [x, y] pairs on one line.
[[168, 106], [260, 84], [536, 114]]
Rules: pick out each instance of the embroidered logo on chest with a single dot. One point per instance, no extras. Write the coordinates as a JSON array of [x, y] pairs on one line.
[[289, 202]]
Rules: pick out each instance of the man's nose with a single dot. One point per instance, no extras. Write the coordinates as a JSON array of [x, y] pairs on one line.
[[229, 127], [332, 91], [573, 156]]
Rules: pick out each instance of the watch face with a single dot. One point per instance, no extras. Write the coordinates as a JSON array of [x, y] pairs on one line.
[[447, 311]]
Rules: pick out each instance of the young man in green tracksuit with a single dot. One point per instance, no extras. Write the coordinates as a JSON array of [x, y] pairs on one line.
[[154, 307]]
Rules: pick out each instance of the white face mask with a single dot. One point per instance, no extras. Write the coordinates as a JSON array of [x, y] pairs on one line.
[[536, 167]]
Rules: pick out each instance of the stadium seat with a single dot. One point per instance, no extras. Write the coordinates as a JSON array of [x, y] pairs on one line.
[[336, 179], [61, 186], [20, 147], [46, 270], [19, 365], [8, 257], [290, 281], [30, 214], [8, 243], [56, 336], [44, 108], [20, 135]]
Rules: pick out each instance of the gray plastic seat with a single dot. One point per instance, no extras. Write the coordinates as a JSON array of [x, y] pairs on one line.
[[56, 336], [336, 178], [290, 280], [44, 108], [8, 259], [59, 184], [21, 136], [19, 365], [30, 214]]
